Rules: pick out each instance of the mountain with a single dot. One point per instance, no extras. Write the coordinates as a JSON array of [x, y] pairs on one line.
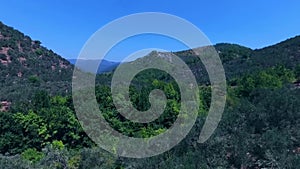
[[239, 60], [105, 66], [285, 53], [259, 127], [27, 67]]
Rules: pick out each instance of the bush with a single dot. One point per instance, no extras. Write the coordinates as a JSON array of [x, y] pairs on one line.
[[32, 155]]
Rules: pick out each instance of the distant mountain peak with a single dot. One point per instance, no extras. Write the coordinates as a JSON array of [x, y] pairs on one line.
[[87, 65]]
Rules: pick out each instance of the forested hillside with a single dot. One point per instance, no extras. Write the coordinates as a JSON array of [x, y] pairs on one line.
[[259, 127], [27, 67]]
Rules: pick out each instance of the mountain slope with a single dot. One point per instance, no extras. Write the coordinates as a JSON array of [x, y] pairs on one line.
[[238, 60], [26, 67], [258, 129]]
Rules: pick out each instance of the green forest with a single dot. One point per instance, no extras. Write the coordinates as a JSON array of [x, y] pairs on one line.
[[259, 127]]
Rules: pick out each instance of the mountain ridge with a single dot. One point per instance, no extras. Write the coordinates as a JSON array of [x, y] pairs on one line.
[[27, 66]]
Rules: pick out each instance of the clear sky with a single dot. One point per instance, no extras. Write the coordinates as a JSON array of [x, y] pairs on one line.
[[65, 25]]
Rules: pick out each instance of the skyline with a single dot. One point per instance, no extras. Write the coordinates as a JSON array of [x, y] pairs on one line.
[[65, 28]]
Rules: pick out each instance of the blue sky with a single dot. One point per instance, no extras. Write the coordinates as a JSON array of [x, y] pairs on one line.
[[64, 26]]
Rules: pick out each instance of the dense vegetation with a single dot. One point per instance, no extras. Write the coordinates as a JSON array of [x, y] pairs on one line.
[[259, 128], [26, 67]]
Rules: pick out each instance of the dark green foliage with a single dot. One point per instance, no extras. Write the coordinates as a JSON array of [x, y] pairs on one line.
[[259, 127], [32, 155], [14, 162], [11, 135], [45, 120], [33, 79], [297, 72], [41, 100], [271, 78], [139, 94], [229, 52], [2, 57]]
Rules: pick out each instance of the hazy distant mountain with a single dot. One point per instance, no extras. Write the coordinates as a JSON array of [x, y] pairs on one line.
[[105, 66]]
